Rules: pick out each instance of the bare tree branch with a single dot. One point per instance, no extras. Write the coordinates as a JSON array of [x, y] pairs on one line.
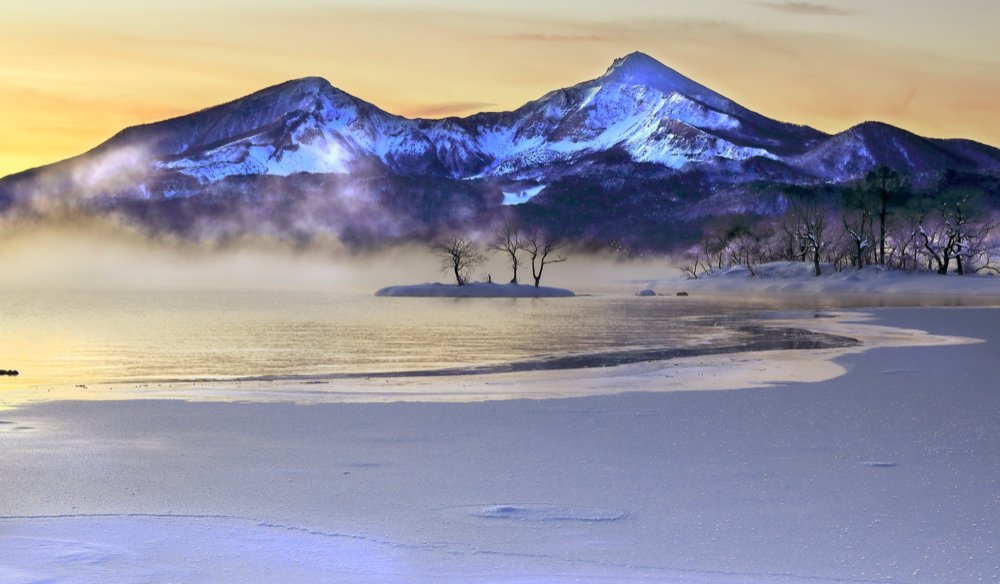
[[459, 256], [539, 250], [508, 240]]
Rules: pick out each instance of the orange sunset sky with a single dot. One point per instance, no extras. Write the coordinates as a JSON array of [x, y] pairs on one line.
[[74, 73]]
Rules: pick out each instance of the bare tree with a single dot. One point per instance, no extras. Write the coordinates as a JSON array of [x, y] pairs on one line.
[[887, 186], [905, 237], [858, 215], [508, 240], [697, 260], [990, 263], [717, 241], [938, 243], [747, 245], [542, 253], [784, 245], [458, 255], [954, 226], [807, 221]]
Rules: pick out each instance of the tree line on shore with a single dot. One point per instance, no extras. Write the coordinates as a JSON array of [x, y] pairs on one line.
[[879, 221]]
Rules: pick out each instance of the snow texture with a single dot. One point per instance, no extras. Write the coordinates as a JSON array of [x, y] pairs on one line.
[[475, 290], [639, 115], [639, 105], [521, 196], [799, 278], [866, 477]]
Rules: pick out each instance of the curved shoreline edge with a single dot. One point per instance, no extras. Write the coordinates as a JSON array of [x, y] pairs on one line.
[[721, 370]]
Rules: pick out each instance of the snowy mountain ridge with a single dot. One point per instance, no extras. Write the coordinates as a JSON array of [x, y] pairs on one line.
[[652, 112], [641, 139], [638, 106]]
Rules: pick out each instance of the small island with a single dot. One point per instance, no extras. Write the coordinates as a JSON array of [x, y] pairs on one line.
[[460, 254], [475, 290]]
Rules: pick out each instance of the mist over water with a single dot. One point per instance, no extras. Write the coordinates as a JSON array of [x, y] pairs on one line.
[[88, 300], [85, 254], [75, 253]]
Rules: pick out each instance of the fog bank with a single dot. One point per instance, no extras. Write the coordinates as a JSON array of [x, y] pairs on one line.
[[74, 253]]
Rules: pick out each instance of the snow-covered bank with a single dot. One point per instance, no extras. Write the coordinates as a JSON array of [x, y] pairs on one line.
[[475, 290], [799, 278], [886, 473]]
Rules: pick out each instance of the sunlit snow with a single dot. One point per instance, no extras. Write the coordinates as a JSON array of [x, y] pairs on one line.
[[521, 196]]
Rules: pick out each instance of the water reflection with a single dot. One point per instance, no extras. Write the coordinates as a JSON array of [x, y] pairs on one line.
[[78, 338]]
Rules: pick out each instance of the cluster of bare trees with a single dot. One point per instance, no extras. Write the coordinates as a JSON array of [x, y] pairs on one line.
[[877, 222], [460, 255]]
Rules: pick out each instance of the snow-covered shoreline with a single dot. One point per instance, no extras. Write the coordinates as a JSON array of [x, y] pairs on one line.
[[474, 290], [882, 470], [797, 278]]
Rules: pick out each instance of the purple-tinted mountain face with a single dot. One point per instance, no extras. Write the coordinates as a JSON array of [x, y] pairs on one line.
[[304, 157]]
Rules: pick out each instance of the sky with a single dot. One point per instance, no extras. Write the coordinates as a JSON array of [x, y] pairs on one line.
[[75, 73]]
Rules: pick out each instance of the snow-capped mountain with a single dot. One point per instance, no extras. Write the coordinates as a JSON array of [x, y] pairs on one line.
[[638, 121], [639, 105], [859, 149]]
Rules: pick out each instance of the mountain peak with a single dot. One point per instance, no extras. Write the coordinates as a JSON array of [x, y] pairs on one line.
[[312, 81], [635, 62], [640, 69], [306, 85]]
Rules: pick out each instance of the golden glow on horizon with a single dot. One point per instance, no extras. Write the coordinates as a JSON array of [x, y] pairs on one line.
[[74, 74]]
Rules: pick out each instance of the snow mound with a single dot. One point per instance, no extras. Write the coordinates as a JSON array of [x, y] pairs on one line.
[[546, 513], [474, 290], [782, 270], [799, 278]]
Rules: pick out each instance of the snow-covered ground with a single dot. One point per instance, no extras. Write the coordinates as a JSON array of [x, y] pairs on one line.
[[884, 471], [522, 196], [475, 290], [799, 278]]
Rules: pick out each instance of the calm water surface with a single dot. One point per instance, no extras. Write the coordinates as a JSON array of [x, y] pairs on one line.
[[79, 338]]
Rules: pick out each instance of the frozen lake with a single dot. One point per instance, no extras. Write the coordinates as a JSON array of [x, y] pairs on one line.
[[882, 470], [884, 473]]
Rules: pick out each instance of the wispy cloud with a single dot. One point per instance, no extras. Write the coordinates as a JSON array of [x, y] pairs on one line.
[[807, 8], [556, 38], [436, 110]]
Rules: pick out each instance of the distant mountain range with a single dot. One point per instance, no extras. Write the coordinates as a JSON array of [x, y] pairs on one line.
[[638, 156]]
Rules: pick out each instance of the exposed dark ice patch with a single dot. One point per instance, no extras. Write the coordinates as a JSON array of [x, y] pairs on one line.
[[362, 465], [880, 463]]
